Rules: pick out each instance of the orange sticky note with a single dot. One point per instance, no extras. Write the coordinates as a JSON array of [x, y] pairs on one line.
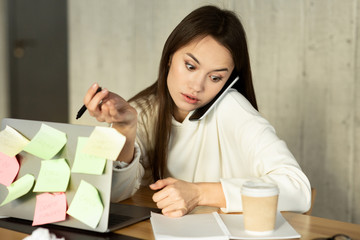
[[9, 168], [49, 208]]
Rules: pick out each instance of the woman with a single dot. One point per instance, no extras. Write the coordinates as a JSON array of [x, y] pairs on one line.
[[201, 162]]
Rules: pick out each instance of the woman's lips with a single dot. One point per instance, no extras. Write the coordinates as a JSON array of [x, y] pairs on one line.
[[190, 99]]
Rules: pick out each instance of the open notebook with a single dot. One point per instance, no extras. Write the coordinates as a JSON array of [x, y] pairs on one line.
[[214, 226], [92, 189]]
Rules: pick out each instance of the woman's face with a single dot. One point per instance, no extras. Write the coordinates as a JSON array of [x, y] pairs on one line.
[[197, 73]]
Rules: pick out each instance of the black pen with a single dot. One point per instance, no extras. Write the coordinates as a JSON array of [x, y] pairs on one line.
[[83, 108]]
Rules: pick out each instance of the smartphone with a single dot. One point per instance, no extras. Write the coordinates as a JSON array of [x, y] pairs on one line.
[[200, 113]]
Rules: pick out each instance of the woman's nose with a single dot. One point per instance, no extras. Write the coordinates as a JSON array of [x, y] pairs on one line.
[[197, 82]]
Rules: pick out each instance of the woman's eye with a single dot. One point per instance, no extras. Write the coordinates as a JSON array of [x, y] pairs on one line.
[[189, 66], [215, 78]]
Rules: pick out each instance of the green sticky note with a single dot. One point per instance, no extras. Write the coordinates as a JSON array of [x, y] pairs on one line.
[[46, 143], [19, 188], [54, 176], [86, 163], [86, 205]]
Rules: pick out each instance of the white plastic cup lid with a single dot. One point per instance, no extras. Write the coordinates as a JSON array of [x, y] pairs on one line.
[[259, 189]]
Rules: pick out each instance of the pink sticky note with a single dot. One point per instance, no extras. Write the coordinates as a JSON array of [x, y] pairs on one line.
[[9, 168], [50, 208]]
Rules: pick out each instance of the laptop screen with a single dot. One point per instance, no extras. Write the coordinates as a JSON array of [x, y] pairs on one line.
[[24, 206]]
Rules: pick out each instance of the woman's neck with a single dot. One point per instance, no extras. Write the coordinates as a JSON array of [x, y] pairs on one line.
[[180, 115]]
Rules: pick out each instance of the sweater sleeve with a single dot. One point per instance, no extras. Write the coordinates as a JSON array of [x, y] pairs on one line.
[[126, 180], [273, 166], [264, 157]]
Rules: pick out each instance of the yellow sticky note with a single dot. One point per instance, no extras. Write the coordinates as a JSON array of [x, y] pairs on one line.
[[47, 142], [19, 188], [86, 205], [85, 163], [105, 142], [11, 141], [54, 176]]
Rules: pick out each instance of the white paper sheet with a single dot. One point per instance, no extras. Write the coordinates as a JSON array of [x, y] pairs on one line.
[[207, 226]]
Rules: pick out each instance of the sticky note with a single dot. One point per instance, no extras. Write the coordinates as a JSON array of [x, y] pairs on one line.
[[3, 193], [19, 188], [105, 142], [86, 163], [11, 141], [47, 142], [53, 176], [49, 208], [86, 205], [9, 168]]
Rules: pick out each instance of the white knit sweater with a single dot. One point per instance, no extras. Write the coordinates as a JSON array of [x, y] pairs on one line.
[[231, 145]]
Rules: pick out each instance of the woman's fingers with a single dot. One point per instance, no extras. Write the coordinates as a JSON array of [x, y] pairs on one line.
[[174, 213], [176, 198], [113, 111], [95, 103], [109, 107], [109, 112], [90, 93], [164, 202], [101, 105], [171, 203], [159, 184]]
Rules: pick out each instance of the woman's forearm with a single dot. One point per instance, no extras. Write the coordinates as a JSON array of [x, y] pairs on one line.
[[127, 152]]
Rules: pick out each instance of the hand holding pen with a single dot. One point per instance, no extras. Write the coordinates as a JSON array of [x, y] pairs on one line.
[[108, 107], [83, 108]]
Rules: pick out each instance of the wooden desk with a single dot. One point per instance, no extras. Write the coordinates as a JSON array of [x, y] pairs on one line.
[[308, 226]]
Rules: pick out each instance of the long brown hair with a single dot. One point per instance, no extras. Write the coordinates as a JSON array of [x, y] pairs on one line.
[[226, 28]]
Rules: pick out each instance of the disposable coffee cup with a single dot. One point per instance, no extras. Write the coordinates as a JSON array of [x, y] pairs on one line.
[[259, 201]]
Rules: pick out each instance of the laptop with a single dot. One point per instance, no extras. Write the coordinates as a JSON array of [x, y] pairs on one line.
[[114, 215]]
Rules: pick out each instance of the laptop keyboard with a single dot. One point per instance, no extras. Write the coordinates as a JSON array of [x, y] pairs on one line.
[[116, 219]]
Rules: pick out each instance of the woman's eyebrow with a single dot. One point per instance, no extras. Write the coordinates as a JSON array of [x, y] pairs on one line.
[[196, 60], [193, 57]]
